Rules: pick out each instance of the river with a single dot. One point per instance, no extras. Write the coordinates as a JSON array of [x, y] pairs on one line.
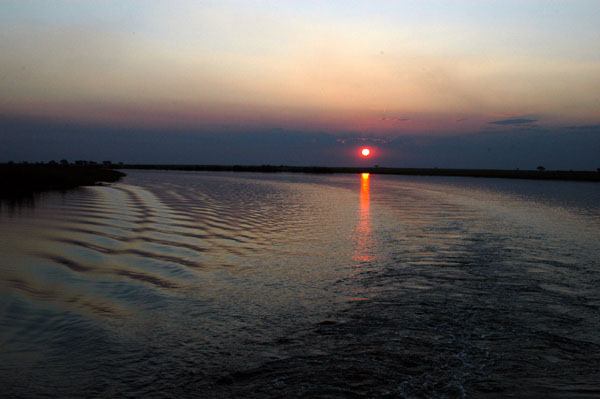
[[218, 284]]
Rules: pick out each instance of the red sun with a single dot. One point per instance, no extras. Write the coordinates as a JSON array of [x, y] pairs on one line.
[[365, 152]]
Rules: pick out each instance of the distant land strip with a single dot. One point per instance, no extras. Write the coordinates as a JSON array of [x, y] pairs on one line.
[[24, 179], [540, 174]]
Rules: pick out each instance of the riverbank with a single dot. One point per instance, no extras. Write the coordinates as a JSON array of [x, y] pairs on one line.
[[494, 173], [24, 179]]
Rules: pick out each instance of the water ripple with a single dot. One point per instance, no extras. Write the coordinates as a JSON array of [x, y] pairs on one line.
[[243, 285]]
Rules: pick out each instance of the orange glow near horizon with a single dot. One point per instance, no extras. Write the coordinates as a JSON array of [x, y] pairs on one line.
[[326, 72], [365, 152]]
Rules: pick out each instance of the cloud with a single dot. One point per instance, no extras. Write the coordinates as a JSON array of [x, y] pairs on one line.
[[392, 119], [364, 139], [518, 121]]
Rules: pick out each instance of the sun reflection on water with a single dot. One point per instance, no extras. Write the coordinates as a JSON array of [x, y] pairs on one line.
[[363, 246]]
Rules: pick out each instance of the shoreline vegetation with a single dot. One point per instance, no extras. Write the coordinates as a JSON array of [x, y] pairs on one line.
[[23, 179], [539, 174]]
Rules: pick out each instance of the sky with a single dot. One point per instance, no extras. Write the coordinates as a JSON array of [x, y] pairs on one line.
[[470, 84]]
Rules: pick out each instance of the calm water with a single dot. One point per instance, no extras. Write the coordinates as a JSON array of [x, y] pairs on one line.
[[186, 284]]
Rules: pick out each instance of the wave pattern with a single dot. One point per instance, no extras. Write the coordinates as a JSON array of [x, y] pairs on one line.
[[171, 284]]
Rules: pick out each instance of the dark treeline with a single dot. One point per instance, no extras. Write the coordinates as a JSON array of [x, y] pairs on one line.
[[18, 179], [539, 174]]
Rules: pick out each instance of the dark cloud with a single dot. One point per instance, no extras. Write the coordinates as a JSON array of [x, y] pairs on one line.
[[585, 128], [555, 149], [25, 139], [345, 140], [513, 121]]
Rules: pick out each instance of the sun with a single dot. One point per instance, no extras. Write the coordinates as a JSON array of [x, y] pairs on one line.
[[365, 152]]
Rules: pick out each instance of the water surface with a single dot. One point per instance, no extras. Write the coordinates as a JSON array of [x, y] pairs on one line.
[[258, 285]]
